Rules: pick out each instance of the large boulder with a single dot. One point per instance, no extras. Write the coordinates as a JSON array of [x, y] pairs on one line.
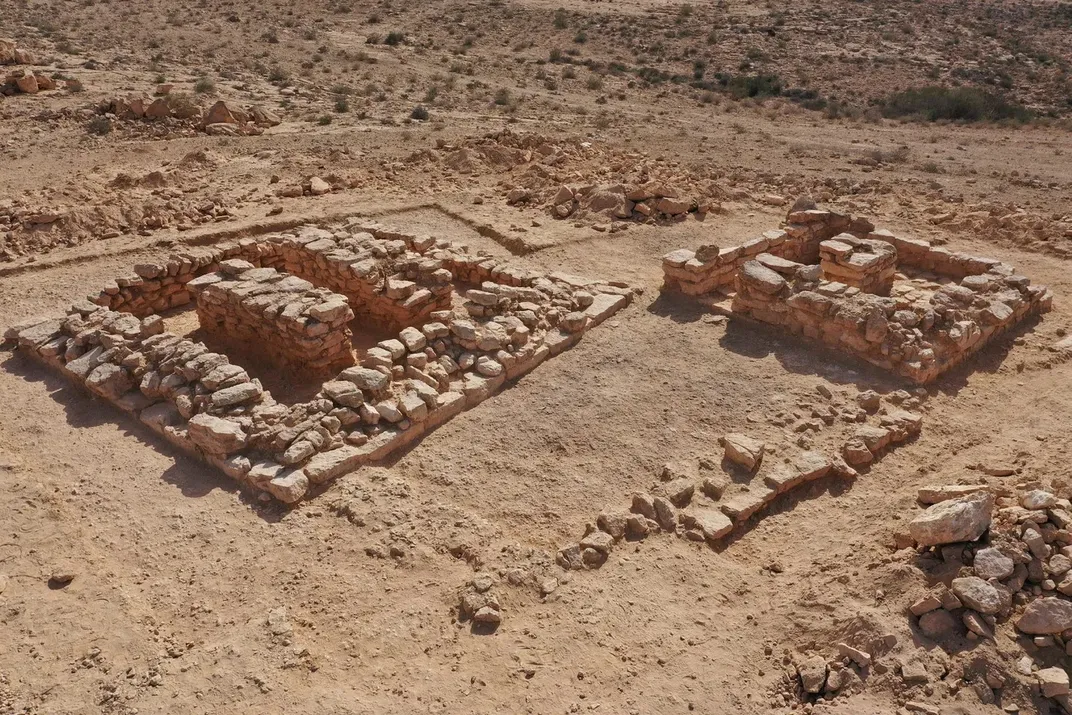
[[27, 83], [1045, 616], [223, 113], [963, 519], [611, 202], [991, 563], [290, 486], [7, 52], [813, 673], [109, 381], [755, 276], [366, 379], [264, 117]]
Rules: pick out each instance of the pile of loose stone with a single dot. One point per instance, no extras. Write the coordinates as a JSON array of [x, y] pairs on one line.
[[294, 324], [703, 508], [816, 676], [1010, 558], [222, 118], [12, 54], [478, 603], [652, 200], [201, 402]]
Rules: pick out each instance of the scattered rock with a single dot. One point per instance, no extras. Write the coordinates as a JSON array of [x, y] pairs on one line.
[[963, 519], [60, 578], [813, 674], [743, 450], [1045, 616], [319, 187]]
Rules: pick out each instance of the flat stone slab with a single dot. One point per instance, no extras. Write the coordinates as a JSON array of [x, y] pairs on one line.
[[740, 507]]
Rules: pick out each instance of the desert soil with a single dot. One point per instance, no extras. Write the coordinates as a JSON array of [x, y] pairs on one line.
[[190, 596]]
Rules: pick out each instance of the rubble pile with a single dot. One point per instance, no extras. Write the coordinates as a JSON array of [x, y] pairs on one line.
[[620, 187], [221, 119], [811, 676], [1003, 561], [654, 200], [479, 604], [792, 278], [12, 54], [403, 387]]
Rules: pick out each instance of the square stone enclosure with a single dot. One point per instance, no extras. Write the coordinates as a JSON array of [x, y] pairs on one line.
[[467, 323], [901, 304]]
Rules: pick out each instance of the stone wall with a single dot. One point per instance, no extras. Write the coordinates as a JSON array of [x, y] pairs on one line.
[[405, 386], [862, 263], [285, 318], [917, 334], [709, 267], [390, 279]]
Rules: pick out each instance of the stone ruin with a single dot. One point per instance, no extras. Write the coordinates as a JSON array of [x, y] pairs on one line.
[[300, 327], [465, 323], [901, 304]]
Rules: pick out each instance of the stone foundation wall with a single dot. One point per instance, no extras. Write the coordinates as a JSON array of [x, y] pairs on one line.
[[297, 326], [390, 279], [709, 267], [917, 336], [405, 386], [918, 340]]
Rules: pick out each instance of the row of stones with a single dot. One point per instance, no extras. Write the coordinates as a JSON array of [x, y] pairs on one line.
[[917, 340], [674, 507], [390, 278], [296, 324]]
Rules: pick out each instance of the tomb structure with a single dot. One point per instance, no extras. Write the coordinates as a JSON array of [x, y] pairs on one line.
[[900, 303], [463, 324]]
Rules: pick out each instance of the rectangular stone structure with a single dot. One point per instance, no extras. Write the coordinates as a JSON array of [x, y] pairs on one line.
[[509, 320], [833, 278], [296, 325]]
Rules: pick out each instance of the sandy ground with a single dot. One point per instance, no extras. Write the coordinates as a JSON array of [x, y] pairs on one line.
[[189, 596], [176, 572]]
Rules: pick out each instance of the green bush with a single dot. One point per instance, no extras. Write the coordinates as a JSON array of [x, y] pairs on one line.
[[965, 104], [394, 38], [503, 97], [419, 113], [99, 126], [758, 85]]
